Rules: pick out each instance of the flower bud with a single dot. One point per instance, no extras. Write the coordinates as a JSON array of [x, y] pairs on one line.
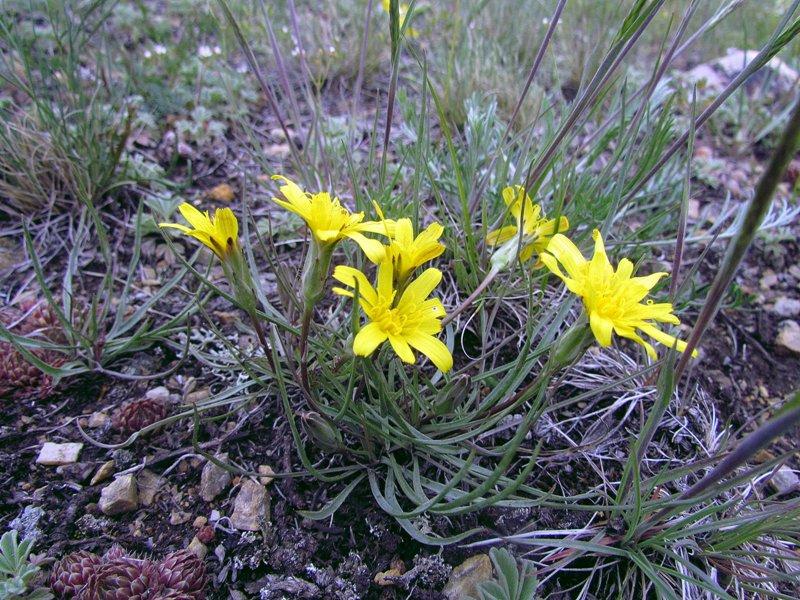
[[505, 255], [571, 346], [325, 436]]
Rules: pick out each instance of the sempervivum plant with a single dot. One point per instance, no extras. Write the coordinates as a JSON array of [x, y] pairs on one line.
[[71, 574], [19, 378], [116, 576], [122, 579], [183, 571], [133, 416]]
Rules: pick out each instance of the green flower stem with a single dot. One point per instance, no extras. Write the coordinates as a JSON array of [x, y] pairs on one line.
[[315, 273]]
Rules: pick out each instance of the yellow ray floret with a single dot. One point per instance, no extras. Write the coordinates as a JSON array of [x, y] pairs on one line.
[[408, 252], [612, 298], [328, 220], [536, 229], [411, 321], [220, 232]]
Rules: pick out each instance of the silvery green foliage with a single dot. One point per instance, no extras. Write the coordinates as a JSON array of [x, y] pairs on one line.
[[514, 579], [16, 572]]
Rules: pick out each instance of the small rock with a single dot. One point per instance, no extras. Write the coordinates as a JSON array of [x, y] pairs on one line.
[[789, 336], [769, 280], [199, 522], [465, 577], [158, 394], [267, 474], [251, 507], [278, 151], [178, 517], [386, 578], [214, 479], [53, 454], [221, 193], [198, 548], [105, 471], [148, 483], [119, 496], [784, 481], [205, 534], [706, 78], [197, 396], [98, 419], [786, 307]]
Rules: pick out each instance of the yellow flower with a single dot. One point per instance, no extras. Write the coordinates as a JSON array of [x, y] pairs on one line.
[[403, 12], [406, 251], [613, 299], [410, 321], [329, 221], [536, 229], [220, 232]]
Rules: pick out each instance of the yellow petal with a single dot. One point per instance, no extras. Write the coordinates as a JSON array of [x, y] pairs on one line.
[[385, 277], [433, 348], [225, 224], [383, 227], [375, 251], [599, 266], [402, 348], [602, 328], [177, 226], [625, 269], [568, 255], [527, 252], [499, 236], [368, 338], [353, 277], [419, 289], [631, 335], [196, 219], [664, 338]]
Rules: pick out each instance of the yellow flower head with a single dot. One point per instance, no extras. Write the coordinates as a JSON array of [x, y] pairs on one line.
[[613, 299], [220, 232], [329, 221], [410, 321], [536, 229], [407, 252], [403, 12]]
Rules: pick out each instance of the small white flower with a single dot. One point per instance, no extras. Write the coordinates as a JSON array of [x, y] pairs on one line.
[[147, 54], [204, 51], [285, 29], [217, 50], [159, 49], [332, 49]]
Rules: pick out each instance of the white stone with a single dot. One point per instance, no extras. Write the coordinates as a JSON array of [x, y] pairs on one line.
[[789, 336], [785, 480], [786, 307], [119, 496], [251, 507], [53, 454]]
